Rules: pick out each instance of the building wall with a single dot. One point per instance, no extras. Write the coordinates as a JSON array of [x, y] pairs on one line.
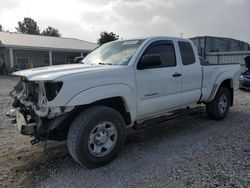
[[224, 45], [228, 57], [199, 43], [24, 59], [64, 58], [6, 58], [34, 58]]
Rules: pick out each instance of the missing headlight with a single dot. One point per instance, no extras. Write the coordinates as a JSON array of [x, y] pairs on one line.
[[52, 89]]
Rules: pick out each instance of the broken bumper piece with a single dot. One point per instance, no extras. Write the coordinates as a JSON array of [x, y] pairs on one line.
[[23, 126], [11, 113], [42, 128]]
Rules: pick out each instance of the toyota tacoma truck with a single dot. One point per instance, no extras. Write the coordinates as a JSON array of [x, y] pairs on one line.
[[121, 84]]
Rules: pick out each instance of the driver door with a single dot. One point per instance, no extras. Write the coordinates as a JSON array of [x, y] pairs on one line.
[[159, 87]]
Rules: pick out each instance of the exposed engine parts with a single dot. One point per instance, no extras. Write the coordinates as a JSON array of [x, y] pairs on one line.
[[31, 99]]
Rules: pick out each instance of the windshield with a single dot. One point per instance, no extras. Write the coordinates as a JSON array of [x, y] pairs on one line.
[[113, 53]]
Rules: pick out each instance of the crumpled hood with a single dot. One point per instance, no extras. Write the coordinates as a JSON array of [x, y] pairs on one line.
[[53, 72]]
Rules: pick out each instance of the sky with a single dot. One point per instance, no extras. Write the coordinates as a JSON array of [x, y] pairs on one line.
[[86, 19]]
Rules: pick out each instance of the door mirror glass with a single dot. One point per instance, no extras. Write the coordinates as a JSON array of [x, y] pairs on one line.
[[149, 61]]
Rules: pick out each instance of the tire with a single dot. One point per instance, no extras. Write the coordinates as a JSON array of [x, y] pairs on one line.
[[218, 108], [94, 128]]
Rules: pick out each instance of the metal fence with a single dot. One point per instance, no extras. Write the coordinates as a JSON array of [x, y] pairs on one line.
[[228, 57]]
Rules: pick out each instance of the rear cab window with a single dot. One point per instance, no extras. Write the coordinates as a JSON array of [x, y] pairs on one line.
[[187, 53]]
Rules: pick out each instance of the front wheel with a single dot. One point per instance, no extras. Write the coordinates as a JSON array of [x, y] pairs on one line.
[[218, 108], [96, 136]]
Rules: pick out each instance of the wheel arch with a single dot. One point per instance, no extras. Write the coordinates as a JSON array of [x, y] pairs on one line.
[[59, 126], [118, 96], [118, 103], [227, 83]]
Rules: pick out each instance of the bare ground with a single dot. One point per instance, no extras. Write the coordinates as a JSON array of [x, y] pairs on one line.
[[189, 152]]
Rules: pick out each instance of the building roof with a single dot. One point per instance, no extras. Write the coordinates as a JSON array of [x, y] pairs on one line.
[[27, 41]]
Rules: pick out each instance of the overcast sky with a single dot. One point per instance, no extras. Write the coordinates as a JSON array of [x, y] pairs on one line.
[[85, 19]]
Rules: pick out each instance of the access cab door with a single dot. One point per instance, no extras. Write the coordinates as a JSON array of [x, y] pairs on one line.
[[158, 87], [191, 74]]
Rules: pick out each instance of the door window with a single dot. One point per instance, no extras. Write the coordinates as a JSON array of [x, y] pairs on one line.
[[165, 51]]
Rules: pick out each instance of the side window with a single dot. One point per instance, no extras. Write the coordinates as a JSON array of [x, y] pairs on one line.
[[166, 52], [187, 53]]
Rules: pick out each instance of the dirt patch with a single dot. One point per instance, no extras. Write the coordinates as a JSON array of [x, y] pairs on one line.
[[22, 165], [26, 166]]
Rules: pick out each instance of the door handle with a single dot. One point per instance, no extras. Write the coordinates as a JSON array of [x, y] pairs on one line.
[[176, 74]]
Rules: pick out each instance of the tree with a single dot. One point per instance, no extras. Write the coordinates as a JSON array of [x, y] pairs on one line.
[[107, 37], [1, 27], [28, 26], [50, 31]]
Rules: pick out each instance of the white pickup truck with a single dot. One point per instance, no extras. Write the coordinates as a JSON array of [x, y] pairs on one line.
[[121, 84]]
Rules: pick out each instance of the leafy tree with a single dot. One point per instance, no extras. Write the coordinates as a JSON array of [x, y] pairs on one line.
[[1, 27], [107, 37], [50, 31], [28, 26]]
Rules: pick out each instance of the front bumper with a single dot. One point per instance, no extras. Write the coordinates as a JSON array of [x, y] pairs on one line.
[[23, 126], [34, 114], [42, 128]]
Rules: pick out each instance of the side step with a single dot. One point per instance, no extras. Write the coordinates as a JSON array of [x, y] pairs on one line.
[[174, 115]]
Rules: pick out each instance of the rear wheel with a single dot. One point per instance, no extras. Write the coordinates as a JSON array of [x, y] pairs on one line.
[[219, 106], [96, 136]]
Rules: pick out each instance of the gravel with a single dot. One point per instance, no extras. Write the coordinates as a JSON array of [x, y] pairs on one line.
[[189, 152]]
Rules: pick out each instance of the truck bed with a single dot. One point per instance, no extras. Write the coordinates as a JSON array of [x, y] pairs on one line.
[[212, 74]]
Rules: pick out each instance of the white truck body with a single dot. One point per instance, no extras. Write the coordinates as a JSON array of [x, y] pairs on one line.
[[120, 84], [144, 92]]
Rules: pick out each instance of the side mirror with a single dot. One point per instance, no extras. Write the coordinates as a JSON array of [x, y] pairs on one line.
[[78, 59], [149, 61]]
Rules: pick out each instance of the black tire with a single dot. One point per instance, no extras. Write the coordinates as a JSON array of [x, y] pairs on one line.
[[213, 109], [81, 129]]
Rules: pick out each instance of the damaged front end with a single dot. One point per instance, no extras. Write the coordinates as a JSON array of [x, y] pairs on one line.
[[34, 113]]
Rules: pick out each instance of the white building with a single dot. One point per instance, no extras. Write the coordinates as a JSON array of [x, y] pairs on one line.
[[23, 51]]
